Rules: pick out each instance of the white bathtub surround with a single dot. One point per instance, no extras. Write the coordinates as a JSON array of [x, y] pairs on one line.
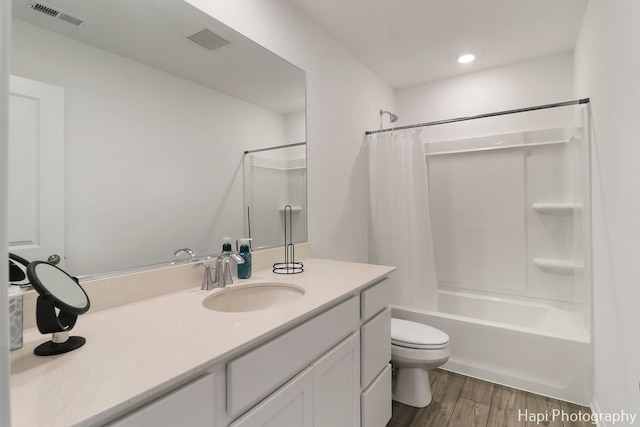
[[511, 229], [399, 224]]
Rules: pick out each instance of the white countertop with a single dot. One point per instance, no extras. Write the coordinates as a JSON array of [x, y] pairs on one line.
[[136, 350]]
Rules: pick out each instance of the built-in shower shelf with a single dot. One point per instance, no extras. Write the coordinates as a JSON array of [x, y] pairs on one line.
[[556, 208], [560, 266]]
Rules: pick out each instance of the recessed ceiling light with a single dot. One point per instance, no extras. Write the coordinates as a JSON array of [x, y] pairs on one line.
[[466, 58]]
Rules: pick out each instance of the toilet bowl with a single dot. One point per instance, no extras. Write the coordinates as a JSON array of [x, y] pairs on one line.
[[415, 348]]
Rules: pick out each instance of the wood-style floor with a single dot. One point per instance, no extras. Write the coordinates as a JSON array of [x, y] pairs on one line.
[[460, 401]]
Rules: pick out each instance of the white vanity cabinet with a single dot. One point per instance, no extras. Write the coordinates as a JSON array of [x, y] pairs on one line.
[[329, 360], [325, 394], [330, 371], [350, 385], [258, 372]]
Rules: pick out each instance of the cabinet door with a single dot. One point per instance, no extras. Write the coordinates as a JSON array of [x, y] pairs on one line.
[[336, 387], [289, 406]]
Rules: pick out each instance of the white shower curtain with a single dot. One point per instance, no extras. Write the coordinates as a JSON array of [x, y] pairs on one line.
[[399, 224]]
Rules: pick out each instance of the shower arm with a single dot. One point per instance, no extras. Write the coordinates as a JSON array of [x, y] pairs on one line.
[[392, 117]]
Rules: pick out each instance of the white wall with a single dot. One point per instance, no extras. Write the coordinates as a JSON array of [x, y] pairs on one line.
[[343, 99], [153, 162], [540, 81], [607, 63], [295, 128]]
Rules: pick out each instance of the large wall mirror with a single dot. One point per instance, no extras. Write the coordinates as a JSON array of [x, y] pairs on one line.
[[150, 106], [275, 194]]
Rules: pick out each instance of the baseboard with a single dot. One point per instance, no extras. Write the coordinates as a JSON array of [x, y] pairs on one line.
[[595, 409]]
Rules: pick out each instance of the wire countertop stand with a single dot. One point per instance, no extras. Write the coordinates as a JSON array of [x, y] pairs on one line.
[[289, 266]]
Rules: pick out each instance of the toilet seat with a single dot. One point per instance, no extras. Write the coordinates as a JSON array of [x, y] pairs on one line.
[[407, 334]]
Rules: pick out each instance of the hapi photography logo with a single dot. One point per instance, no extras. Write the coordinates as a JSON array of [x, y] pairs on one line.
[[560, 415]]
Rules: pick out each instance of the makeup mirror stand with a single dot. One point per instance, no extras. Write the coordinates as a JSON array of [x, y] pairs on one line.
[[59, 326], [60, 302]]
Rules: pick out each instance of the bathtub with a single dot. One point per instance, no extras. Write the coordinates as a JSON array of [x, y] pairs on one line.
[[529, 346]]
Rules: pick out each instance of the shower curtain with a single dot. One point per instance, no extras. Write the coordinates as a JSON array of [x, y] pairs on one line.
[[399, 224]]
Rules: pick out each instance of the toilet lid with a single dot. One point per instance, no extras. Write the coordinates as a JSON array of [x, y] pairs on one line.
[[416, 335]]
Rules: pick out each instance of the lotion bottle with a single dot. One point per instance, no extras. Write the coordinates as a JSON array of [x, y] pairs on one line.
[[244, 269]]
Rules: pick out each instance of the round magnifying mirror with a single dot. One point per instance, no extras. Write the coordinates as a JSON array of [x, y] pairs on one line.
[[49, 279], [61, 292]]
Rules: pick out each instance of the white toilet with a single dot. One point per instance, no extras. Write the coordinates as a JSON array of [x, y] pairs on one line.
[[414, 349]]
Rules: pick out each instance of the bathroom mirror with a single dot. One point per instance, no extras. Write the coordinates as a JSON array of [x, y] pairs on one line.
[[160, 102], [275, 177], [60, 302]]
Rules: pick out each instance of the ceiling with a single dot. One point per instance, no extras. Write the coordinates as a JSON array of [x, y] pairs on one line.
[[407, 42], [242, 68]]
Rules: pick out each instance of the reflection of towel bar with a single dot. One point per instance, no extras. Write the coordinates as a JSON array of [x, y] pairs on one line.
[[277, 147]]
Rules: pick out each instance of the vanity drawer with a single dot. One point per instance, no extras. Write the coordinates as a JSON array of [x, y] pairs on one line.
[[257, 373], [193, 402], [376, 401], [375, 346], [375, 298]]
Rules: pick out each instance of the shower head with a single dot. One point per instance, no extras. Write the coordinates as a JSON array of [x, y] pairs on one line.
[[392, 117]]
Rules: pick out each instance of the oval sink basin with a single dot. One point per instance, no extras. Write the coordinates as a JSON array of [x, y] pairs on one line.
[[253, 297]]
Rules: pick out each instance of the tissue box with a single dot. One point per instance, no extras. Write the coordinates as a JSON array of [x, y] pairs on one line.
[[15, 317]]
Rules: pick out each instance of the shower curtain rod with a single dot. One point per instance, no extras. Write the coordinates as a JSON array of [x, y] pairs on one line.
[[482, 116]]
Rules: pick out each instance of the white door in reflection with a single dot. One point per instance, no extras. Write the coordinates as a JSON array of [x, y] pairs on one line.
[[36, 170]]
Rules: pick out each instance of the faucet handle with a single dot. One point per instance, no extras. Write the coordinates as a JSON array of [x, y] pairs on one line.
[[207, 281], [187, 251], [227, 273], [219, 281]]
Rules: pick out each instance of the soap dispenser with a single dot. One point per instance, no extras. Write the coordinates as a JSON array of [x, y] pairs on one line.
[[231, 260], [226, 245], [244, 269]]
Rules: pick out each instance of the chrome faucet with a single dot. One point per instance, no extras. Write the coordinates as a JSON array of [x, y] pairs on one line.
[[207, 281], [223, 273], [186, 251]]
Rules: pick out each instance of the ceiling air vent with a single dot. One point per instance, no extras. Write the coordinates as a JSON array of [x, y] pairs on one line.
[[54, 12], [208, 39]]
